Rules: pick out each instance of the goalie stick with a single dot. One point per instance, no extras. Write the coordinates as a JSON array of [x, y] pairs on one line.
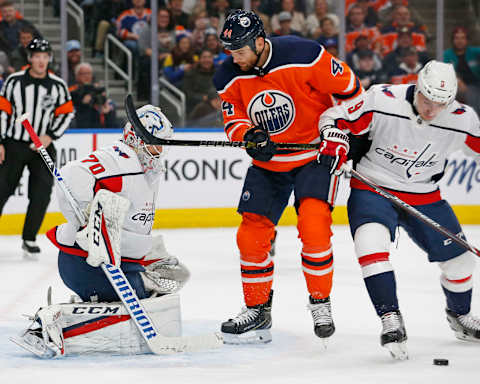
[[411, 210], [147, 137], [157, 343]]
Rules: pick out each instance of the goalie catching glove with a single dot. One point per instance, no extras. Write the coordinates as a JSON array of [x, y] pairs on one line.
[[333, 149], [104, 228], [165, 274]]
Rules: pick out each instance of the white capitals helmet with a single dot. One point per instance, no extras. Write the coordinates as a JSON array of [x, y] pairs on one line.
[[156, 123], [437, 81]]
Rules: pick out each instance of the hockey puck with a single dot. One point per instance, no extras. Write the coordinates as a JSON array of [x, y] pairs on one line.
[[440, 361]]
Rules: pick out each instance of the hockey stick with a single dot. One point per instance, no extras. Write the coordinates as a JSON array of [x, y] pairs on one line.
[[157, 343], [147, 137], [412, 211]]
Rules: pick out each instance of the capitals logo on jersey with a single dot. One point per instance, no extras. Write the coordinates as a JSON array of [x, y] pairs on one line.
[[272, 110], [459, 111]]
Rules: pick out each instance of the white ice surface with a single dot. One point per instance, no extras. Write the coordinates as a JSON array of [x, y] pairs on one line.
[[214, 294]]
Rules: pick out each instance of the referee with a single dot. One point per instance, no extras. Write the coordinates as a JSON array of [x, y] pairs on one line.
[[46, 99]]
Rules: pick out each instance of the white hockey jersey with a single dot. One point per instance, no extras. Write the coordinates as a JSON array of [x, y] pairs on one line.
[[407, 154], [116, 168]]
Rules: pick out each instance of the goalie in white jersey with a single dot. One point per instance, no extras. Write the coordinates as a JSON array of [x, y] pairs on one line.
[[124, 178], [401, 138]]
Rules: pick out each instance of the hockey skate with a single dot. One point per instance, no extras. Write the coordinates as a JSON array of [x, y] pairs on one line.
[[466, 327], [30, 250], [394, 335], [251, 326], [322, 318], [44, 337]]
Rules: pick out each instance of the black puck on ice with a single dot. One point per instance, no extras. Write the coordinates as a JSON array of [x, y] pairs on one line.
[[440, 361]]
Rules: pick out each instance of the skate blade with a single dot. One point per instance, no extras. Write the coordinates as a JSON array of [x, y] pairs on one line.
[[261, 336], [27, 256], [466, 337], [398, 350], [40, 352]]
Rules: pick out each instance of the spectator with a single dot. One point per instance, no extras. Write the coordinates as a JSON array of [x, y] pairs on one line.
[[212, 43], [356, 26], [389, 34], [180, 60], [371, 17], [385, 15], [207, 113], [298, 20], [255, 5], [218, 13], [165, 43], [179, 18], [92, 107], [366, 71], [407, 71], [329, 36], [106, 13], [131, 22], [314, 30], [466, 60], [18, 14], [404, 40], [199, 81], [10, 26], [74, 55], [19, 56], [285, 21], [362, 44], [198, 33]]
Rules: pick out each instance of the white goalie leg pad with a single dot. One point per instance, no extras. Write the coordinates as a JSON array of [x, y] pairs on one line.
[[457, 272], [90, 328], [105, 227], [372, 246], [166, 274]]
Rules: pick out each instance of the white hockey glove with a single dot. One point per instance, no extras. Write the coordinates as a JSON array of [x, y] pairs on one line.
[[105, 227], [333, 149], [165, 274]]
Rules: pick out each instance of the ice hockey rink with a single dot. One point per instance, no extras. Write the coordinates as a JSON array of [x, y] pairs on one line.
[[214, 293]]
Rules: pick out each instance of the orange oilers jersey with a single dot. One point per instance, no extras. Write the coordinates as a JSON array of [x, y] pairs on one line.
[[286, 96]]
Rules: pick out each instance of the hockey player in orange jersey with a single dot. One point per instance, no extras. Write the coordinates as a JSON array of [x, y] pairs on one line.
[[274, 90]]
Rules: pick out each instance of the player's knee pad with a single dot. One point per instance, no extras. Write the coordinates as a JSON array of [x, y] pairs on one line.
[[372, 247], [254, 236], [457, 272], [314, 224]]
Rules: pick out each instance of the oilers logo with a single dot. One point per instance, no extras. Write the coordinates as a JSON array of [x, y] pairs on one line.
[[274, 111]]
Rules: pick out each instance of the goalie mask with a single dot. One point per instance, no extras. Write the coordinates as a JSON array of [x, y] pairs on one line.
[[156, 123]]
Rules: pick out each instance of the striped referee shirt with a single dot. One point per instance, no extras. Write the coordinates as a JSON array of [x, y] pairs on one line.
[[47, 101]]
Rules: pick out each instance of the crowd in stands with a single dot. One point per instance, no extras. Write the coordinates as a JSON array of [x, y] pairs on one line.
[[385, 42]]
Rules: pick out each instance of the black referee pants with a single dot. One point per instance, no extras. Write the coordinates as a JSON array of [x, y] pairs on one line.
[[18, 155]]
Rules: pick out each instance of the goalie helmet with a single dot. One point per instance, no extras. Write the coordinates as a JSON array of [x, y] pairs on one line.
[[156, 123], [437, 81]]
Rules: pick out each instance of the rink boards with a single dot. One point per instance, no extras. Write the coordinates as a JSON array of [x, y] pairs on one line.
[[201, 186]]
